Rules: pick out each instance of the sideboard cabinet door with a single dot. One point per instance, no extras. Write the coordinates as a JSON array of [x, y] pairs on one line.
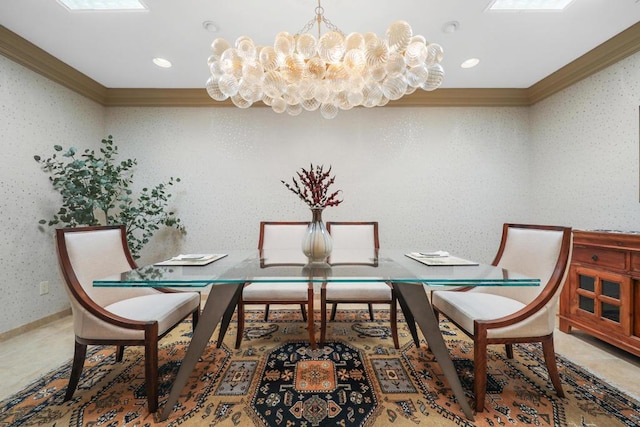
[[602, 293]]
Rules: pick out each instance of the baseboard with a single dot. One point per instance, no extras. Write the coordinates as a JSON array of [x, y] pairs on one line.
[[34, 325]]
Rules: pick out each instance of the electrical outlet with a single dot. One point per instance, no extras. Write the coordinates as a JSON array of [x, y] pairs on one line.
[[44, 288]]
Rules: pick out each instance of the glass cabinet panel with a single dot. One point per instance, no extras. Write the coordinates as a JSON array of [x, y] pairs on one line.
[[587, 283], [611, 312], [586, 304], [611, 289]]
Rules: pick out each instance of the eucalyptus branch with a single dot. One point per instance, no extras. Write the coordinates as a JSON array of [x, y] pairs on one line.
[[97, 182]]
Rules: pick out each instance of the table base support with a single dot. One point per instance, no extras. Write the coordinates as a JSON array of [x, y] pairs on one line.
[[221, 297], [414, 298]]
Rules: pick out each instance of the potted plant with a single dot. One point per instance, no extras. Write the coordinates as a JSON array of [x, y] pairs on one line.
[[96, 189]]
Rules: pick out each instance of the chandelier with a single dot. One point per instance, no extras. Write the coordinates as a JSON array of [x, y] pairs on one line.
[[329, 73]]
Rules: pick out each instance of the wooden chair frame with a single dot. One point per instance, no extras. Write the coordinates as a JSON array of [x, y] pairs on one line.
[[393, 312], [308, 302], [481, 328], [151, 337]]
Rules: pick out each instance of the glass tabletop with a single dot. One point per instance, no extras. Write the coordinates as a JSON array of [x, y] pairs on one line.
[[243, 266]]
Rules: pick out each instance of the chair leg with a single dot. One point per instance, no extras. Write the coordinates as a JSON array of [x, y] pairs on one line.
[[226, 319], [79, 353], [195, 317], [550, 360], [480, 370], [119, 353], [228, 314], [304, 312], [408, 317], [323, 315], [310, 318], [240, 324], [508, 349], [266, 312], [334, 308], [393, 319], [370, 311], [151, 372]]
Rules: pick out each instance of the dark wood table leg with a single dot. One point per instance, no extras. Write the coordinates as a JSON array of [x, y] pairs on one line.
[[414, 299], [221, 297]]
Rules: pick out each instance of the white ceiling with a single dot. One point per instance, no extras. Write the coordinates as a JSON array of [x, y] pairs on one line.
[[516, 49]]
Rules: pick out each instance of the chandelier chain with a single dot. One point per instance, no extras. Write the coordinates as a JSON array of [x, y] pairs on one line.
[[318, 19]]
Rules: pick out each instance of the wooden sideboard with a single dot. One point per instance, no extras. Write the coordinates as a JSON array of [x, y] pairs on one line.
[[602, 294]]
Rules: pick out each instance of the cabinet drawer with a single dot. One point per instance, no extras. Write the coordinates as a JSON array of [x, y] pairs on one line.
[[635, 261], [601, 257]]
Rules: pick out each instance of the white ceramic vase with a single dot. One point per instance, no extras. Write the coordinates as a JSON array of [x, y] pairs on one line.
[[317, 243]]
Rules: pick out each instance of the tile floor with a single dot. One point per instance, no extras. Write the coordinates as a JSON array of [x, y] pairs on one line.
[[26, 357]]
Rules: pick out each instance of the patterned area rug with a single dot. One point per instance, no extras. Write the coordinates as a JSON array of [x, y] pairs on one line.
[[356, 379]]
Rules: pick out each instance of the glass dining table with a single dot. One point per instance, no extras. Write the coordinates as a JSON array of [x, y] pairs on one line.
[[226, 277]]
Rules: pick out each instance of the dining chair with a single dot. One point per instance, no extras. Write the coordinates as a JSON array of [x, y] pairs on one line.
[[356, 243], [510, 315], [116, 316], [280, 244]]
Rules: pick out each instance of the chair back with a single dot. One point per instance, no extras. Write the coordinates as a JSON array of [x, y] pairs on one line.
[[89, 253], [354, 242], [536, 251], [281, 242]]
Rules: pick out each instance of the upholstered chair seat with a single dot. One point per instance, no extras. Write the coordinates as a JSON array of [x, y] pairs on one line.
[[371, 292], [280, 244], [116, 316], [356, 243], [277, 292], [514, 314]]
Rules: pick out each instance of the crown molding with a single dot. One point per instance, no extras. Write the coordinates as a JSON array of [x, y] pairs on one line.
[[161, 98], [437, 98], [32, 57], [464, 98], [608, 53], [25, 53]]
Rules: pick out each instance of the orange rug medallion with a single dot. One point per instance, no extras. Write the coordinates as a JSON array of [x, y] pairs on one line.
[[357, 379]]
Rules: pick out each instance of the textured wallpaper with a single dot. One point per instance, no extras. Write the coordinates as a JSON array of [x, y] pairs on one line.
[[35, 114], [586, 141], [435, 178]]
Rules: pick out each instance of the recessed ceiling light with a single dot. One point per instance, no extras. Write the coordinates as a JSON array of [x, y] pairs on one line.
[[103, 4], [529, 4], [450, 27], [210, 26], [161, 62], [470, 63]]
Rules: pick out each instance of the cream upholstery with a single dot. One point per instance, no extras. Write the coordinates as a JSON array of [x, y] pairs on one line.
[[359, 291], [531, 252], [274, 291], [117, 316], [511, 314], [280, 243], [355, 243]]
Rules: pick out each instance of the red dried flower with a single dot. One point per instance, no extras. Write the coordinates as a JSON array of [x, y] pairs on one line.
[[312, 187]]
